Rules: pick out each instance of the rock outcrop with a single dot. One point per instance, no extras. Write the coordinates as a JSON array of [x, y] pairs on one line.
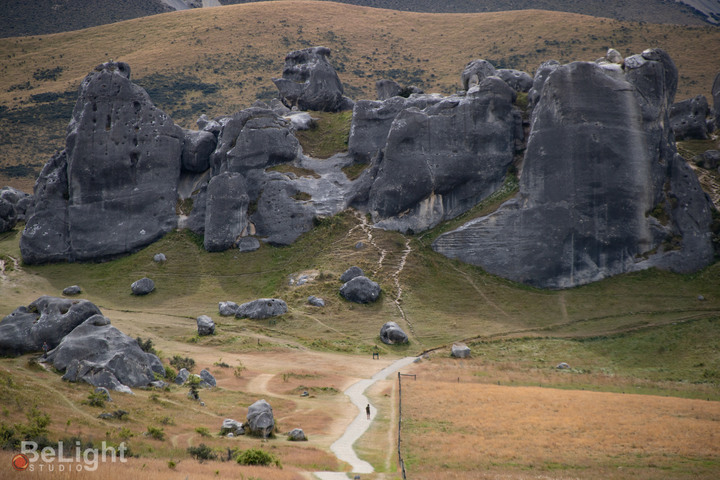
[[602, 190], [310, 82], [516, 79], [205, 325], [441, 161], [143, 286], [15, 206], [262, 308], [351, 273], [392, 334], [688, 119], [46, 320], [460, 350], [103, 356], [360, 290], [475, 72], [260, 420], [113, 189]]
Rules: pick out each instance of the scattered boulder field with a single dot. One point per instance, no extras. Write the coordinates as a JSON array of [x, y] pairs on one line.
[[603, 190]]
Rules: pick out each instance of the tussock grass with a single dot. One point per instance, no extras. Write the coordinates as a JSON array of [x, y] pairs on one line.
[[462, 430]]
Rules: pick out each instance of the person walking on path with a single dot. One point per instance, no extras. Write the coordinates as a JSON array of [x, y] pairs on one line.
[[367, 410]]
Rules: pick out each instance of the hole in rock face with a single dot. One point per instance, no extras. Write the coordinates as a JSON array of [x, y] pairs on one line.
[[134, 158], [108, 122]]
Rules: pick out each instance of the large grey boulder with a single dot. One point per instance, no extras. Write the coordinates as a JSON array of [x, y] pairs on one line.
[[227, 309], [386, 89], [541, 74], [101, 355], [284, 211], [460, 350], [688, 118], [207, 378], [392, 334], [310, 82], [182, 376], [205, 325], [23, 202], [8, 215], [226, 218], [143, 286], [516, 79], [360, 290], [260, 420], [262, 308], [475, 72], [297, 435], [198, 145], [253, 138], [113, 189], [47, 319], [230, 426], [602, 190], [441, 161], [351, 273]]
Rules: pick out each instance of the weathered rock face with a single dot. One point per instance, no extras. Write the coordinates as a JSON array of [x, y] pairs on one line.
[[688, 119], [460, 351], [253, 138], [103, 356], [143, 286], [716, 100], [227, 309], [475, 72], [15, 206], [351, 273], [196, 150], [226, 218], [47, 319], [386, 89], [310, 82], [230, 426], [442, 160], [602, 191], [392, 334], [360, 290], [297, 435], [516, 79], [541, 74], [371, 123], [205, 325], [260, 420], [262, 308], [113, 188]]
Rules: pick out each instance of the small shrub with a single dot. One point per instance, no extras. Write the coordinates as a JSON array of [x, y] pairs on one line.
[[95, 399], [221, 364], [256, 456], [201, 453], [203, 431], [156, 432], [171, 465], [239, 369], [146, 345], [124, 434], [182, 362], [170, 373], [167, 421]]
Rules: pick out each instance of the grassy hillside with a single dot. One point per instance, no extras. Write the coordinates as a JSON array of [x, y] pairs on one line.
[[219, 60]]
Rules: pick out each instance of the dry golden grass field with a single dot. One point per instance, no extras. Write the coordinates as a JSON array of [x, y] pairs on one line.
[[217, 61]]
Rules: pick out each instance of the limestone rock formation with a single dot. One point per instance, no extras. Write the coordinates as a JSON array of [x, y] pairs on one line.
[[351, 273], [360, 290], [260, 420], [297, 435], [310, 82], [392, 334], [196, 150], [460, 350], [15, 206], [142, 287], [262, 308], [113, 189], [230, 426], [72, 290], [602, 190], [103, 356], [386, 89], [207, 378], [516, 79], [47, 319], [541, 74], [371, 123], [227, 309], [475, 72], [205, 325], [688, 118], [441, 161], [316, 301], [226, 218], [8, 215], [716, 100], [182, 376]]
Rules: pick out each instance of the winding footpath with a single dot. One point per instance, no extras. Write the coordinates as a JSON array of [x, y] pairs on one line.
[[342, 447]]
